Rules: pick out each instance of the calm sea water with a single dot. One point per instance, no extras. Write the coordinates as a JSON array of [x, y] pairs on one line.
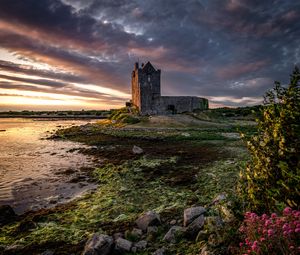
[[37, 173]]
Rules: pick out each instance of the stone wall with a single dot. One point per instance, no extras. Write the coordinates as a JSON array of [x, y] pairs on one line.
[[178, 104], [146, 95]]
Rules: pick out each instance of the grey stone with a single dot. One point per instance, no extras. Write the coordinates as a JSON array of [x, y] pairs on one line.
[[219, 198], [48, 252], [160, 251], [173, 233], [152, 230], [118, 235], [137, 232], [192, 213], [172, 222], [99, 244], [123, 245], [137, 150], [7, 214], [141, 245], [196, 225], [148, 219]]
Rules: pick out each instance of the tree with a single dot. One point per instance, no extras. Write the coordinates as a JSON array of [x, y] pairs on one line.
[[272, 177]]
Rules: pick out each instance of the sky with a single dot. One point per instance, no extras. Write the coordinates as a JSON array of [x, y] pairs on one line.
[[79, 54]]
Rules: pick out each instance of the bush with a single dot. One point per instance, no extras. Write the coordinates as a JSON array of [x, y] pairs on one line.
[[271, 234], [272, 178]]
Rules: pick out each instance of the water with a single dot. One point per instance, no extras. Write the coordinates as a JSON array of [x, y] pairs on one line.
[[37, 173]]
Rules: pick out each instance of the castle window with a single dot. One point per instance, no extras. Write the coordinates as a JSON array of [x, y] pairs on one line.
[[149, 78]]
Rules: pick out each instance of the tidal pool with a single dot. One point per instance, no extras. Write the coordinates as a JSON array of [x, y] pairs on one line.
[[38, 173]]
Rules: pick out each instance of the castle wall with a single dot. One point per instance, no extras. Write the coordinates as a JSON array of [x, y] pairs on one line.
[[178, 104], [146, 95]]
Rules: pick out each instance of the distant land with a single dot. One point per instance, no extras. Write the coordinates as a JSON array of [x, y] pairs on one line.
[[89, 114]]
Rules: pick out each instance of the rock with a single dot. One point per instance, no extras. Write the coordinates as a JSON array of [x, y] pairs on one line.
[[137, 150], [160, 251], [173, 233], [137, 232], [48, 252], [148, 219], [99, 244], [192, 213], [219, 198], [7, 214], [118, 235], [123, 245], [141, 245], [132, 235], [202, 235], [205, 251], [152, 230], [194, 228], [173, 222]]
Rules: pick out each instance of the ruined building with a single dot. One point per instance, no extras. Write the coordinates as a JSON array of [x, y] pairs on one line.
[[146, 95]]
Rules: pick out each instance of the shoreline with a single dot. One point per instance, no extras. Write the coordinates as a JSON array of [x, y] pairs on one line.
[[53, 117], [140, 170]]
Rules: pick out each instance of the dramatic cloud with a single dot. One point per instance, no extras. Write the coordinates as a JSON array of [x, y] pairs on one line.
[[80, 53]]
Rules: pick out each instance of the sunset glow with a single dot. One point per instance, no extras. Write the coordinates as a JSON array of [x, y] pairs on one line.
[[80, 54]]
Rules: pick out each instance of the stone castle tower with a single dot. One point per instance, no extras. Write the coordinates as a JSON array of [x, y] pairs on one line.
[[146, 94]]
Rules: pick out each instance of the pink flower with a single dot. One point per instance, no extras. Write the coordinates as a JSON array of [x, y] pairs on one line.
[[285, 226], [273, 215], [267, 222], [297, 230], [270, 232], [254, 246], [287, 211]]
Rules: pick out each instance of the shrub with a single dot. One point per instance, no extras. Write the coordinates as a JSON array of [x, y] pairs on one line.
[[273, 175], [271, 234]]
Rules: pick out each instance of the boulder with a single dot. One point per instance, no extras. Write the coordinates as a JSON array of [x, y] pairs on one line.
[[191, 214], [7, 214], [197, 224], [141, 245], [137, 150], [173, 233], [148, 219], [99, 244], [160, 251], [122, 245]]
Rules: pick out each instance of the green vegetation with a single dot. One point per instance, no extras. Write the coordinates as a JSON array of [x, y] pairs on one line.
[[179, 168], [272, 178], [126, 115]]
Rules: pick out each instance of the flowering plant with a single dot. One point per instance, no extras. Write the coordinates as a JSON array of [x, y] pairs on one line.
[[271, 234]]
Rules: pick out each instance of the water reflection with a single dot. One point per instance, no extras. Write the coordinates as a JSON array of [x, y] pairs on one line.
[[35, 172]]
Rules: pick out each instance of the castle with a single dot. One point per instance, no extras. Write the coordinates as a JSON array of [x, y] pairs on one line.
[[146, 95]]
